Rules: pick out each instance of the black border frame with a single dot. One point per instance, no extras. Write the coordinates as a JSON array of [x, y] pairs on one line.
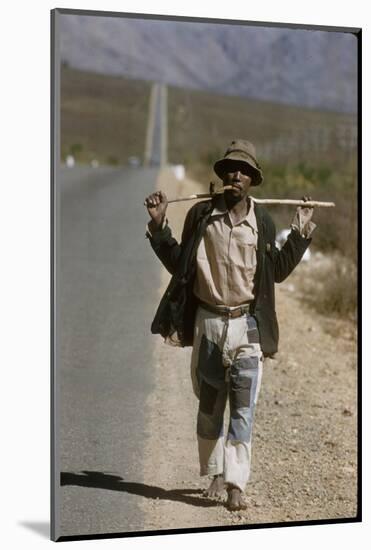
[[54, 156]]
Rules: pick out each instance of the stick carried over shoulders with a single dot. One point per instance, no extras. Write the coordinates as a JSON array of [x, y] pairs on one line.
[[209, 195], [292, 202]]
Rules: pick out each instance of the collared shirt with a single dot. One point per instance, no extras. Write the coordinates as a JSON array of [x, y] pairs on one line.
[[226, 258]]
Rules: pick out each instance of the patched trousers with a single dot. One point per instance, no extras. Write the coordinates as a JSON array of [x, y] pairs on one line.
[[226, 365]]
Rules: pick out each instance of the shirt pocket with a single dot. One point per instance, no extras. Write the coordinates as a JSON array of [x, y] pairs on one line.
[[244, 250]]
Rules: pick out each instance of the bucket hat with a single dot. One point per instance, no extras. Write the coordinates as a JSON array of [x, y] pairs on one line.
[[240, 150]]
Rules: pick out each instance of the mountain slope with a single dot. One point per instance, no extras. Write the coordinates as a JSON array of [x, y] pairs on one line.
[[316, 69]]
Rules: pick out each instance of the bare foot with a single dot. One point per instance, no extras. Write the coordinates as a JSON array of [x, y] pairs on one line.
[[217, 486], [235, 499]]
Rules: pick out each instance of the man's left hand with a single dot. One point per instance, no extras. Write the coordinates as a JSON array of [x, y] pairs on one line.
[[302, 220], [305, 212]]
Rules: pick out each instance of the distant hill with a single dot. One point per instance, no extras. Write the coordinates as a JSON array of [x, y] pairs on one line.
[[102, 117], [315, 69], [105, 118]]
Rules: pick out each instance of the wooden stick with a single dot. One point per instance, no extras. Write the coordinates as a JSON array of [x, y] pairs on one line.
[[202, 195], [192, 197], [308, 204], [293, 202]]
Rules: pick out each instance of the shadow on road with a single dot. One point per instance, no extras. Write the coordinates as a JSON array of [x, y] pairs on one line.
[[100, 480]]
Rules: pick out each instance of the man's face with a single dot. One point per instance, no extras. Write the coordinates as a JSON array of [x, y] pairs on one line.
[[240, 177]]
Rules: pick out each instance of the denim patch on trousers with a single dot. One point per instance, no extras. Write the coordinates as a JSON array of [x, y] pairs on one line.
[[208, 397], [210, 363], [252, 327]]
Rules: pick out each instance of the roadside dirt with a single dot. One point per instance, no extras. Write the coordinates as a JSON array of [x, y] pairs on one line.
[[304, 464]]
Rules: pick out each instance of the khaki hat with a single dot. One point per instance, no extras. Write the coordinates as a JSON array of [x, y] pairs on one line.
[[240, 150]]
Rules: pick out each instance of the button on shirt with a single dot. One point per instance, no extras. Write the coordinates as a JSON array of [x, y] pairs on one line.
[[226, 258]]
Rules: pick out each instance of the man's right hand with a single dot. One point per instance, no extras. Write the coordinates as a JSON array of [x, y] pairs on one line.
[[156, 205]]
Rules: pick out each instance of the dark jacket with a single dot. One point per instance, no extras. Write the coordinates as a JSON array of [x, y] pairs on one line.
[[175, 316]]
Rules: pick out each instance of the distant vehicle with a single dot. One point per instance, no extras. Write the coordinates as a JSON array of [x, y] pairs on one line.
[[134, 161], [179, 171], [70, 161], [281, 238]]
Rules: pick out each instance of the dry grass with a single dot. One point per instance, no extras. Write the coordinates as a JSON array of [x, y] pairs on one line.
[[102, 117], [201, 124], [338, 292], [328, 283]]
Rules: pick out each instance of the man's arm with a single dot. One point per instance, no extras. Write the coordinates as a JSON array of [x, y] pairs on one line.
[[286, 259], [167, 249]]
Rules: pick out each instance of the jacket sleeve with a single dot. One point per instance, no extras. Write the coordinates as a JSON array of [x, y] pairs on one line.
[[286, 259], [167, 248]]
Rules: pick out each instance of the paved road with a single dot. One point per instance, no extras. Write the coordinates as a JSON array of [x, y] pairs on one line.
[[109, 279], [157, 138]]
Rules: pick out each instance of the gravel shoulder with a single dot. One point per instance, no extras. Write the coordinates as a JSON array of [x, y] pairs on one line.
[[304, 464]]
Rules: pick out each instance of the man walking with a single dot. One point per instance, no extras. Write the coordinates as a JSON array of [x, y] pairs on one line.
[[221, 301]]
